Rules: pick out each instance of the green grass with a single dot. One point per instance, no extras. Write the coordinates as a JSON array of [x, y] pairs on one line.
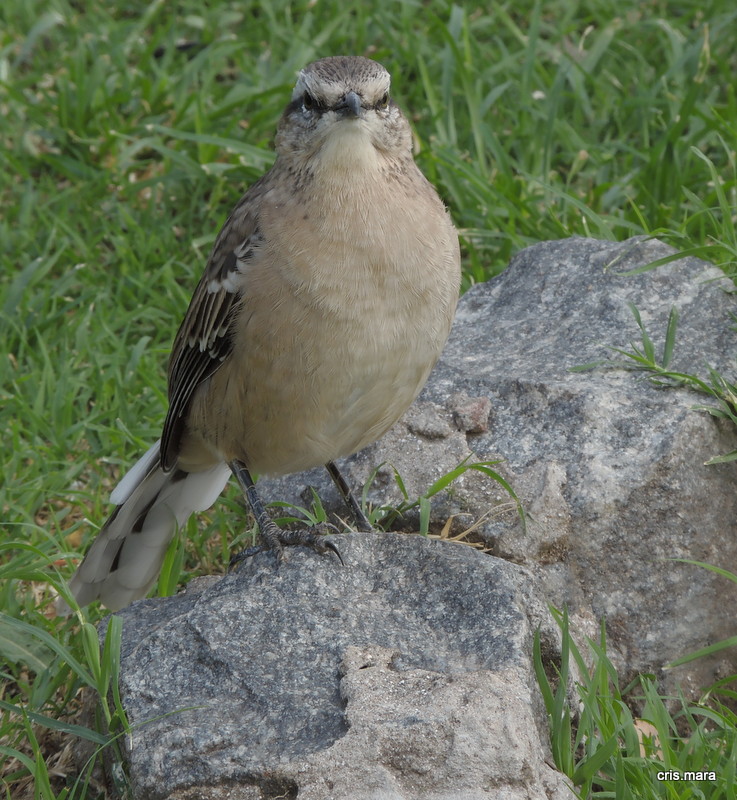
[[673, 749], [122, 153]]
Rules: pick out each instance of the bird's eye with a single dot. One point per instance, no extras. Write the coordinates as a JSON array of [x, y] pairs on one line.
[[308, 101], [384, 101]]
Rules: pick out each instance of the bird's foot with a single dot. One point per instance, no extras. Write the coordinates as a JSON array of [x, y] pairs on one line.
[[276, 539]]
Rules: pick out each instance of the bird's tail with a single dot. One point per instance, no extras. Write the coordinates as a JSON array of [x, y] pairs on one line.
[[124, 560]]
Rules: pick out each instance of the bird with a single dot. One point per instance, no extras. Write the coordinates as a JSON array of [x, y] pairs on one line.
[[327, 299]]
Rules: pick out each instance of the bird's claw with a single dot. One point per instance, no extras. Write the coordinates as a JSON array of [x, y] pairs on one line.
[[276, 539]]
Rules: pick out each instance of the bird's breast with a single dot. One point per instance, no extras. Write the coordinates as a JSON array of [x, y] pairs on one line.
[[346, 308]]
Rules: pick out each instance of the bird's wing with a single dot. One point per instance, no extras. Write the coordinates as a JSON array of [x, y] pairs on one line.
[[204, 339]]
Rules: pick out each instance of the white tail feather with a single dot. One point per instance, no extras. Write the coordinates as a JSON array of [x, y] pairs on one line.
[[124, 560], [135, 475]]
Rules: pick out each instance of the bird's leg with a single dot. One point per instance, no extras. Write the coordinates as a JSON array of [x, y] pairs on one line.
[[272, 536], [347, 495]]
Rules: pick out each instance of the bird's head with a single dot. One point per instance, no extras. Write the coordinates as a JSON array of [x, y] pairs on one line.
[[342, 115]]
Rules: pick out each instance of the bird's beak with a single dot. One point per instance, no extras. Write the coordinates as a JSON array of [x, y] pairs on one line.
[[350, 106]]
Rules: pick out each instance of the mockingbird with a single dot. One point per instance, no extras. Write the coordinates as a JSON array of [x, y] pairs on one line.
[[325, 303]]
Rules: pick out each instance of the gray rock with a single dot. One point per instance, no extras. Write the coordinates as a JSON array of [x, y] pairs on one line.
[[404, 674], [609, 467]]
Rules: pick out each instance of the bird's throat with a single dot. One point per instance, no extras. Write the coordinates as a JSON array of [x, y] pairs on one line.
[[348, 149]]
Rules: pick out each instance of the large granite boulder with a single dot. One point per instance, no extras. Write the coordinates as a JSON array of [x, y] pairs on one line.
[[403, 675]]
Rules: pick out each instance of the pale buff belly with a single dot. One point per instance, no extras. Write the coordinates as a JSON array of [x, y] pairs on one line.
[[303, 400]]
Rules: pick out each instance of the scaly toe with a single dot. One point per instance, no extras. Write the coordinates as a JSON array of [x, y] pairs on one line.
[[275, 538]]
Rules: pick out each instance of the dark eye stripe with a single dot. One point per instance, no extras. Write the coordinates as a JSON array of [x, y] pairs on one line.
[[308, 102], [311, 103]]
